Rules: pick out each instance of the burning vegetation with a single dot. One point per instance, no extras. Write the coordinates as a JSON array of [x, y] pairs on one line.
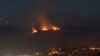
[[44, 25], [45, 28], [34, 30]]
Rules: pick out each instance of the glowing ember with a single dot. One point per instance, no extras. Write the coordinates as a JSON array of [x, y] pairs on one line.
[[55, 28], [44, 28], [34, 30]]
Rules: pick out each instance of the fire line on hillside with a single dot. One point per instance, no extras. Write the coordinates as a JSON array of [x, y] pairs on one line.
[[44, 24], [45, 28]]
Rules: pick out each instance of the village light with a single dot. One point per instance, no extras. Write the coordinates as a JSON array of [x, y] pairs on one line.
[[92, 48]]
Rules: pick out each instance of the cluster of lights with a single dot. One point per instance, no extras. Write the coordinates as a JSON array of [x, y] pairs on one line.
[[24, 55], [55, 51], [93, 48], [38, 53], [34, 54]]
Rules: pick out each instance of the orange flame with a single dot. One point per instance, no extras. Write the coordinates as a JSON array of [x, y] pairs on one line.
[[44, 28], [34, 30], [55, 28], [49, 27]]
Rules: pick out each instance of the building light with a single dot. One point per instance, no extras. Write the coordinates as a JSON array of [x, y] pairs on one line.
[[92, 48]]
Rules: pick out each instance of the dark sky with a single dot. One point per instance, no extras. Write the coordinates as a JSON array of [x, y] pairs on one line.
[[9, 7], [80, 7]]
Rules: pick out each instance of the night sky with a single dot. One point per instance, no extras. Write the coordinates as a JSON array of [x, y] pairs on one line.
[[80, 7]]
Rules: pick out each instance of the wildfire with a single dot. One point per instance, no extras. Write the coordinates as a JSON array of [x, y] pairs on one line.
[[46, 28], [49, 27], [44, 24]]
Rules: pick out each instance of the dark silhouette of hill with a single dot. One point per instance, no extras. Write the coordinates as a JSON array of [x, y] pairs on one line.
[[88, 21], [70, 36], [77, 28], [12, 25]]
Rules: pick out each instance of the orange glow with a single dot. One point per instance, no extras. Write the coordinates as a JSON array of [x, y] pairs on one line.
[[55, 52], [55, 28], [34, 30], [49, 27], [44, 28], [44, 24]]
